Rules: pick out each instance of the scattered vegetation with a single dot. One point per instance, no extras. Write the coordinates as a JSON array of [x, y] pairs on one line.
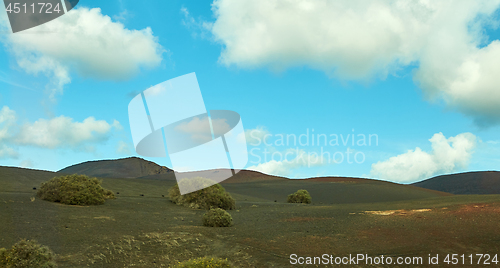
[[301, 196], [27, 254], [205, 262], [74, 190], [214, 196], [217, 217]]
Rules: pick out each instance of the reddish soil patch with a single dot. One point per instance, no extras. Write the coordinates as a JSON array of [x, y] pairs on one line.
[[479, 207], [475, 211], [338, 179], [251, 176]]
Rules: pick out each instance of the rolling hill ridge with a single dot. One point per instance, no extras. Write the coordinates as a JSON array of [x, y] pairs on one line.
[[480, 182], [131, 167]]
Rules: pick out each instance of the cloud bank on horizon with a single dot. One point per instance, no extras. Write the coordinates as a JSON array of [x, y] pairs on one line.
[[359, 40], [448, 155], [292, 159]]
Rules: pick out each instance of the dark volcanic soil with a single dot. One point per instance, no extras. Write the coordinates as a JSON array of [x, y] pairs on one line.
[[369, 217]]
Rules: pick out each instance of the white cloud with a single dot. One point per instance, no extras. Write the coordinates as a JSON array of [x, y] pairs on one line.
[[7, 122], [117, 125], [198, 28], [256, 136], [466, 80], [123, 148], [155, 90], [286, 164], [26, 163], [123, 16], [63, 131], [359, 39], [447, 155], [57, 132], [354, 39], [87, 41], [7, 152], [200, 128], [7, 127]]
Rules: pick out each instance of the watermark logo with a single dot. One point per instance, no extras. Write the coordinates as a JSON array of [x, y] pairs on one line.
[[171, 117], [25, 14], [285, 154]]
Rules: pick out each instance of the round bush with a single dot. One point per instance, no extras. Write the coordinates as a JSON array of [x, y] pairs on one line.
[[27, 254], [217, 217], [205, 262], [214, 196], [301, 196], [74, 190]]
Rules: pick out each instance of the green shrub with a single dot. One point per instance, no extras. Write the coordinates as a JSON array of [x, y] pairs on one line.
[[27, 254], [3, 257], [217, 217], [214, 196], [205, 262], [74, 190], [301, 196]]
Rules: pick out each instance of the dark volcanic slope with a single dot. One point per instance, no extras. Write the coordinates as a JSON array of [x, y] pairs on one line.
[[13, 179], [330, 190], [131, 167], [248, 186], [240, 177], [483, 182]]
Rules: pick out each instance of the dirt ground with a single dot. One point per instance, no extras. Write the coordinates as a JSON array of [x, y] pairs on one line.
[[344, 218]]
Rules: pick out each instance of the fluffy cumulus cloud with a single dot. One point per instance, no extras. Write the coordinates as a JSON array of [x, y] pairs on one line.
[[284, 163], [467, 81], [359, 40], [63, 131], [88, 42], [447, 155], [58, 132]]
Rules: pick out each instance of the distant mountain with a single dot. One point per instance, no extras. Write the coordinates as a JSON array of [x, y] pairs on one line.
[[244, 186], [135, 167], [251, 176], [131, 167], [482, 182], [241, 176]]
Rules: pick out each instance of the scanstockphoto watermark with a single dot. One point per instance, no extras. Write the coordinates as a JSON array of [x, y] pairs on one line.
[[310, 148], [357, 259]]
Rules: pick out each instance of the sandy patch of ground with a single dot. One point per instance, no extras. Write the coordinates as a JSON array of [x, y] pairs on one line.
[[398, 212]]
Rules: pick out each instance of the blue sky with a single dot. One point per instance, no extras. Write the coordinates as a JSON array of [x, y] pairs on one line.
[[422, 77]]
